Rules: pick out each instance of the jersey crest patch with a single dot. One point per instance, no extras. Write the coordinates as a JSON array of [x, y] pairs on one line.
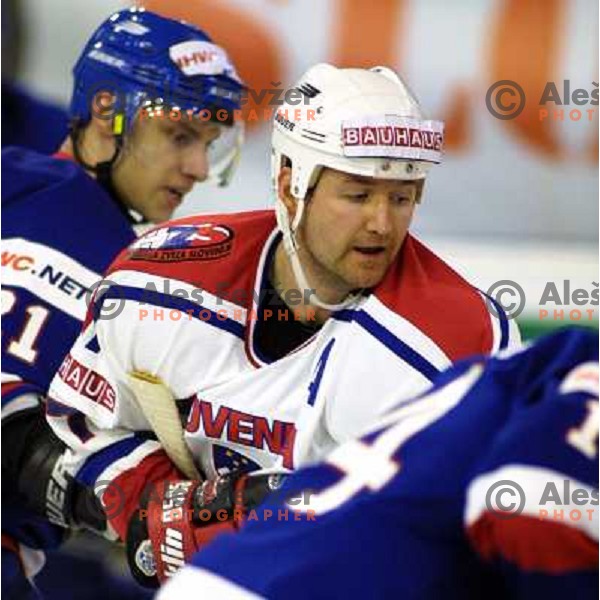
[[207, 241], [230, 461]]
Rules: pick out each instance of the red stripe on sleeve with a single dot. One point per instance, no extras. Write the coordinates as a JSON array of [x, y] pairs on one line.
[[534, 544], [7, 388], [11, 389]]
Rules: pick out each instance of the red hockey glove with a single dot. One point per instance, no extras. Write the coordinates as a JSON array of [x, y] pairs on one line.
[[179, 518]]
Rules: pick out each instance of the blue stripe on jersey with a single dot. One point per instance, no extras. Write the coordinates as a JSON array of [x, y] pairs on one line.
[[344, 315], [503, 321], [20, 390], [98, 462], [145, 296], [93, 345], [76, 420], [54, 408], [390, 341]]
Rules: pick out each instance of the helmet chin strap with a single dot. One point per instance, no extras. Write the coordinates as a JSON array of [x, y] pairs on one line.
[[103, 170], [291, 248]]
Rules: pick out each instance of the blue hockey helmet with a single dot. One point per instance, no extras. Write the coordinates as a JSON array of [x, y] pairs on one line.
[[145, 59]]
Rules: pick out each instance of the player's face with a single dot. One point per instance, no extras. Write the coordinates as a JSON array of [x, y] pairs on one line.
[[161, 161], [354, 227]]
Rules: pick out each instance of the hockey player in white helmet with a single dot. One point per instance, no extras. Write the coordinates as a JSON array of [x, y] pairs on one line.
[[276, 337], [367, 137]]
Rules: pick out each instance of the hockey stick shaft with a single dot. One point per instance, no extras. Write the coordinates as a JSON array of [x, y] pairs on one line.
[[160, 409]]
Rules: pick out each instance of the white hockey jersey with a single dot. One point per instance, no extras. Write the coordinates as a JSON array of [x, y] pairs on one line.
[[183, 303]]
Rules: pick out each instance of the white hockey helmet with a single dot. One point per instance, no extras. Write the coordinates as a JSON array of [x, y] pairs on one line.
[[361, 121]]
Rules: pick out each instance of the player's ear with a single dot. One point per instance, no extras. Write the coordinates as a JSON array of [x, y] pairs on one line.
[[284, 186], [103, 110]]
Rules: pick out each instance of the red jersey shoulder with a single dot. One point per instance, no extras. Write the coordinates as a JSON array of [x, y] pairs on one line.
[[423, 289], [214, 252]]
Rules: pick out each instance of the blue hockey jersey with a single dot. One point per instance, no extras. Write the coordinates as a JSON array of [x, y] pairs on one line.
[[60, 231], [484, 487], [31, 122]]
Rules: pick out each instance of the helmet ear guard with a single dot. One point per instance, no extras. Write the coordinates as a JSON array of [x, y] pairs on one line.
[[359, 121]]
